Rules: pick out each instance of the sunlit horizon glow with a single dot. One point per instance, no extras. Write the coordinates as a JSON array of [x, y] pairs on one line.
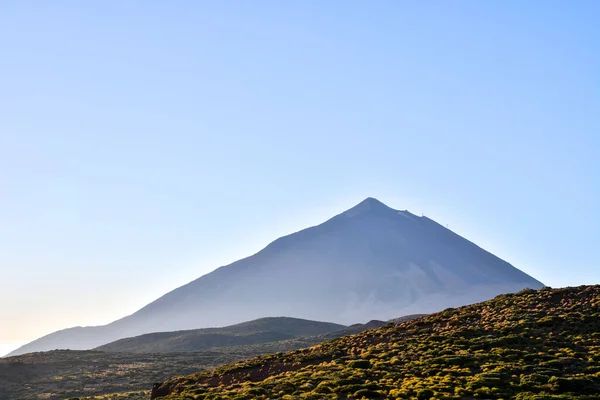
[[7, 347], [142, 147]]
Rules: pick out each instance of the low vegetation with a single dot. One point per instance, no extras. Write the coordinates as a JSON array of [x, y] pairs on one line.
[[534, 345], [108, 375], [63, 374]]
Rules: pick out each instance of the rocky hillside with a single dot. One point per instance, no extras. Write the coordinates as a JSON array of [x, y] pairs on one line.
[[541, 344]]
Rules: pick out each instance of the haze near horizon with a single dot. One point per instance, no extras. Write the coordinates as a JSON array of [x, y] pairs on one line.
[[142, 146]]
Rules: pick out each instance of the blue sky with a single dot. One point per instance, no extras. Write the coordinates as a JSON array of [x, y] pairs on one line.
[[143, 144]]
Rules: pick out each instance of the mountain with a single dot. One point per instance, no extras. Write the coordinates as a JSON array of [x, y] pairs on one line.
[[262, 330], [370, 262], [532, 345]]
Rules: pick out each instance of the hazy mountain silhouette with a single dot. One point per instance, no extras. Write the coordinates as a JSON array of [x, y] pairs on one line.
[[370, 262]]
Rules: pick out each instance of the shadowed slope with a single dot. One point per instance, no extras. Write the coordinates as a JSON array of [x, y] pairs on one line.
[[253, 332]]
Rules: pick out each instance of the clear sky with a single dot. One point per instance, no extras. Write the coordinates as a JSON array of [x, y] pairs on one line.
[[145, 143]]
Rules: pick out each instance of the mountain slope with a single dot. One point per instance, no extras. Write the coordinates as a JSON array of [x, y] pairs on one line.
[[541, 344], [370, 262], [263, 330]]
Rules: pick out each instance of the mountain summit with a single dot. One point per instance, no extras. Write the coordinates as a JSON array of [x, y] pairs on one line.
[[369, 262], [369, 205]]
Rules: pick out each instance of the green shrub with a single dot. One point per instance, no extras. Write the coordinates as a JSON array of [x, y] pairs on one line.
[[362, 364]]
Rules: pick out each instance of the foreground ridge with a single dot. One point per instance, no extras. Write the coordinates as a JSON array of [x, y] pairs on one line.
[[256, 332], [541, 344]]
